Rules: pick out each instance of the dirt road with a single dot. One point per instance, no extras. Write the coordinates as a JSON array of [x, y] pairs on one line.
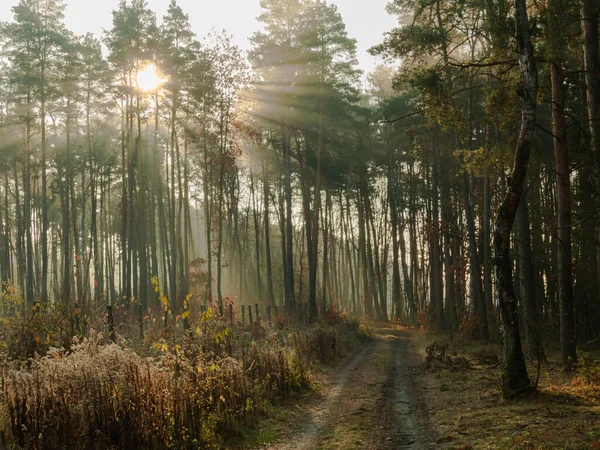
[[370, 401]]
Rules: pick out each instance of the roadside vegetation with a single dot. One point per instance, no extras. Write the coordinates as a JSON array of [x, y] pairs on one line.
[[187, 389]]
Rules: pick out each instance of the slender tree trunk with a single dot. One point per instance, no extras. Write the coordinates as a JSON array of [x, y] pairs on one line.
[[475, 267], [173, 218], [44, 233], [270, 295], [290, 302], [256, 237], [563, 194], [124, 227], [325, 268], [362, 250], [590, 12], [486, 253], [206, 180], [529, 299], [436, 254], [515, 380]]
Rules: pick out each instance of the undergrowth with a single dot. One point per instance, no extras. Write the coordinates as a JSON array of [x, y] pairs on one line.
[[191, 390]]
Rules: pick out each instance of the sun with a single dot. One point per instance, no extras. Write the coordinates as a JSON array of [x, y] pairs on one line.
[[148, 79]]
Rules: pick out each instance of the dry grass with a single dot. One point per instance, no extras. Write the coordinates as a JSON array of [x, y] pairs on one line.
[[465, 404], [194, 391]]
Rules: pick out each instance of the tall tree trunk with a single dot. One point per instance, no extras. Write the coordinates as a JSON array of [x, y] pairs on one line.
[[27, 206], [590, 15], [124, 227], [256, 236], [172, 211], [475, 267], [44, 233], [325, 269], [527, 277], [563, 189], [362, 250], [290, 302], [487, 214], [270, 295], [20, 247], [206, 188], [436, 254], [515, 380], [394, 206]]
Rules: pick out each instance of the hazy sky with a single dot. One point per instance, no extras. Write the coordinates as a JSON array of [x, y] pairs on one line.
[[366, 20]]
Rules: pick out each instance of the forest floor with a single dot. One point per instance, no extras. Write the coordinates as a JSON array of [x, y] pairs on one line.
[[383, 397], [464, 402]]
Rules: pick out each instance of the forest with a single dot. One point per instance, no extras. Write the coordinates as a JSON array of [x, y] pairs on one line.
[[194, 236]]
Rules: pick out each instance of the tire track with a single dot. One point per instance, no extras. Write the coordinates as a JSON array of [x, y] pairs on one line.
[[307, 435], [373, 403]]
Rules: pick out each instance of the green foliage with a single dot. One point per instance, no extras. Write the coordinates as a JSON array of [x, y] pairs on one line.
[[415, 41], [482, 160]]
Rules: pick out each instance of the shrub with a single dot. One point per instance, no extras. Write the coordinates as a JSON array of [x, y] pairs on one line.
[[40, 328]]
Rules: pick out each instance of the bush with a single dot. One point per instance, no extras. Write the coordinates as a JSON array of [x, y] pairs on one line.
[[40, 328]]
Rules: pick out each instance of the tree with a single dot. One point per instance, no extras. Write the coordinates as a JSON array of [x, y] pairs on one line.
[[514, 373]]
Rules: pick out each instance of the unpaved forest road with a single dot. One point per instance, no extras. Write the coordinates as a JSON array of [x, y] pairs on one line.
[[372, 401]]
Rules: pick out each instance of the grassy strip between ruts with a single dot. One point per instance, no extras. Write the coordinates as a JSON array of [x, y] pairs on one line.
[[462, 391], [199, 392]]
